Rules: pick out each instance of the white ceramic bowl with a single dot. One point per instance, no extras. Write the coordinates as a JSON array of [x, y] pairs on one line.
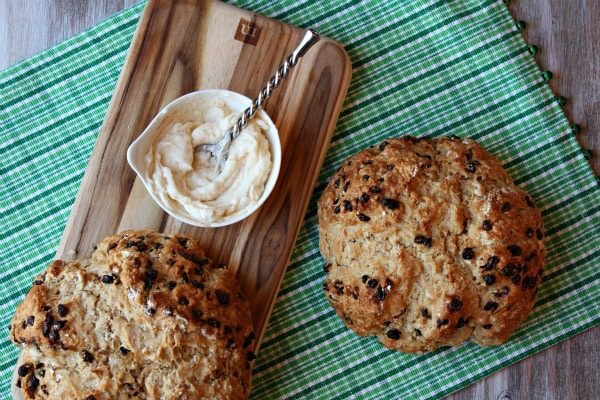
[[181, 110]]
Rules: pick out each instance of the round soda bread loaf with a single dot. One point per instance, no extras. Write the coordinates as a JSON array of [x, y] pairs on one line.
[[147, 317], [429, 243]]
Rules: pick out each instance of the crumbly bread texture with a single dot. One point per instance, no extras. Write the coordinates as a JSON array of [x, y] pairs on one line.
[[429, 243], [147, 317]]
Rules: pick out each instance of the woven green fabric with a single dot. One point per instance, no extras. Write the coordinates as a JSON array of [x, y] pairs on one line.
[[422, 67]]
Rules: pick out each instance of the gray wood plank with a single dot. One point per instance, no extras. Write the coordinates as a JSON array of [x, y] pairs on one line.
[[568, 35], [30, 26]]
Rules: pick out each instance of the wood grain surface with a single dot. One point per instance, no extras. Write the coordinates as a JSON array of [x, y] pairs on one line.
[[569, 37], [185, 45]]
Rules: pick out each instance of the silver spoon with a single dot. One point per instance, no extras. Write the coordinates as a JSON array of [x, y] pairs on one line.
[[220, 150]]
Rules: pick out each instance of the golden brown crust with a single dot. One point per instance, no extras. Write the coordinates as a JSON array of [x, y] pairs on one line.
[[429, 243], [148, 316]]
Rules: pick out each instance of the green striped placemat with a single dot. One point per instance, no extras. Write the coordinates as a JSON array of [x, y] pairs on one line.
[[424, 67]]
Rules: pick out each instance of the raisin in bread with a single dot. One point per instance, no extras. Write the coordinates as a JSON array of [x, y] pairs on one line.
[[147, 317], [429, 243]]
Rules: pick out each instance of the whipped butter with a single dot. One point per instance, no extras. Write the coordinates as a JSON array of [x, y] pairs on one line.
[[193, 186]]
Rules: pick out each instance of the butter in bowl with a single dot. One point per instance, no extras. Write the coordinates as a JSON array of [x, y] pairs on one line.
[[188, 184]]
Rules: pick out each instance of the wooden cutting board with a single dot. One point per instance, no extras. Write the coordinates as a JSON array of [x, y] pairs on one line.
[[184, 45]]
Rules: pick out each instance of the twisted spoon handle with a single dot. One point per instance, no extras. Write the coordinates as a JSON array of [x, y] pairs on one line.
[[310, 37]]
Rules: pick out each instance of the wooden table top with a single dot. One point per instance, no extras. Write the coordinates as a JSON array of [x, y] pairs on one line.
[[568, 35]]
